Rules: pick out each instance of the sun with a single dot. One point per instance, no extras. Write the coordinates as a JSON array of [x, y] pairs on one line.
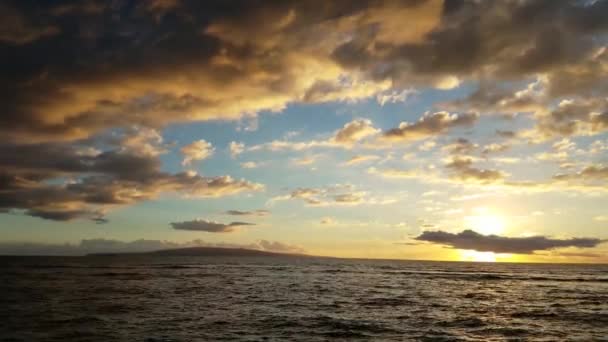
[[485, 222], [468, 255]]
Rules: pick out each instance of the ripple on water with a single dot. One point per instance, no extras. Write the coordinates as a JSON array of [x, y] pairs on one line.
[[276, 299]]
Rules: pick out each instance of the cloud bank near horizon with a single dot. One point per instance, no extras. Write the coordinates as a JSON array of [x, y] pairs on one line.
[[471, 240]]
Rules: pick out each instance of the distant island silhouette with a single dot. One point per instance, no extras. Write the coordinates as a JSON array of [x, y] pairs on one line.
[[206, 251]]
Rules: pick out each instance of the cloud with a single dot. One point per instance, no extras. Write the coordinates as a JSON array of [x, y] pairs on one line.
[[199, 61], [471, 240], [358, 159], [462, 173], [460, 146], [347, 89], [506, 134], [339, 195], [328, 221], [572, 118], [17, 29], [494, 148], [209, 226], [279, 247], [258, 212], [142, 245], [197, 150], [308, 195], [398, 173], [161, 6], [348, 198], [140, 141], [64, 181], [250, 165], [588, 173], [598, 146], [309, 160], [163, 62], [228, 63], [283, 145], [463, 170], [394, 96], [581, 255], [429, 125], [493, 99], [564, 145], [362, 133], [236, 148], [426, 146], [493, 42], [91, 196], [354, 131]]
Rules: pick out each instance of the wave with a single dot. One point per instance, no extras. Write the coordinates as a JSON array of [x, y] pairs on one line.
[[477, 276]]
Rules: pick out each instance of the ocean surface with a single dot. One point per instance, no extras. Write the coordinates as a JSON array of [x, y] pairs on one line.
[[137, 298]]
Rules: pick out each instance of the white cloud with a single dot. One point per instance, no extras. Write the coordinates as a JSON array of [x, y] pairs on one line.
[[236, 148], [250, 165], [394, 96], [197, 150], [354, 131], [349, 135], [358, 159]]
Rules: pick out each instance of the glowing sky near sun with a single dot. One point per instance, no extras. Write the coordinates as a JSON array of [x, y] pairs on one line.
[[333, 128]]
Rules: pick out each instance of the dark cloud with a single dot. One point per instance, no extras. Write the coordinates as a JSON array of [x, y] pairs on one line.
[[158, 62], [258, 212], [64, 214], [490, 40], [574, 117], [506, 134], [490, 98], [556, 48], [17, 29], [86, 197], [71, 70], [430, 124], [64, 181], [471, 240], [209, 226]]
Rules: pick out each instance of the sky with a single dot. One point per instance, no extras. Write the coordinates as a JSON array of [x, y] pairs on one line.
[[420, 129]]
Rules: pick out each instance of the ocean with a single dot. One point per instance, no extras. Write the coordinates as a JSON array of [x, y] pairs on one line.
[[148, 298]]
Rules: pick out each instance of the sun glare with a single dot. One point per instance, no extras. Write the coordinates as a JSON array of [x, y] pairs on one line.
[[466, 255], [485, 222]]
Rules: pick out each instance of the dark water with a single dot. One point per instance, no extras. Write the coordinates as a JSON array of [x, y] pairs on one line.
[[258, 299]]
